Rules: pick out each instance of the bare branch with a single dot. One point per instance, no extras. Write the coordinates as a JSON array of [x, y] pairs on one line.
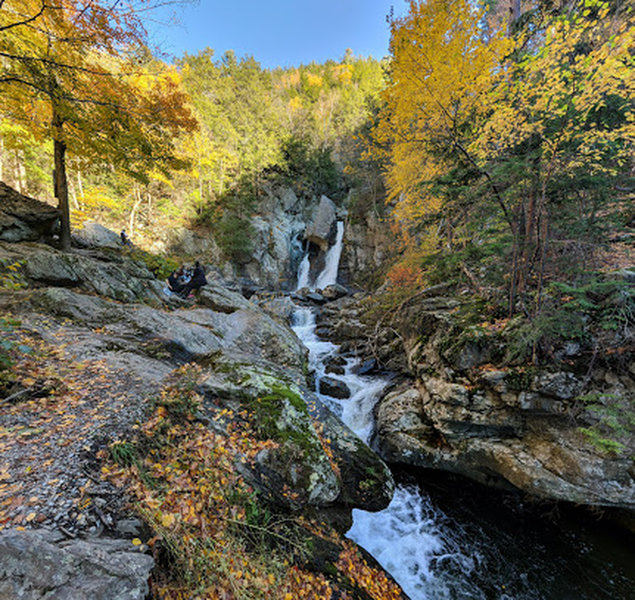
[[27, 20]]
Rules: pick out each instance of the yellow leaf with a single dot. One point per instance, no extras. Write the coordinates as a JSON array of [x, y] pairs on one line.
[[136, 542], [30, 517], [167, 519]]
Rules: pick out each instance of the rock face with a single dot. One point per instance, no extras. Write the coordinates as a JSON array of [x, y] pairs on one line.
[[247, 354], [95, 235], [23, 218], [509, 426], [321, 229], [38, 564], [368, 243], [277, 249], [112, 276], [451, 408]]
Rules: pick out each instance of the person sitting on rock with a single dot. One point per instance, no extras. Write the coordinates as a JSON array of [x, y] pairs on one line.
[[177, 280], [197, 281], [125, 240]]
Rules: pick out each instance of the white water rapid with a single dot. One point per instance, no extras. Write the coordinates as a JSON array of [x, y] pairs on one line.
[[404, 538], [475, 547]]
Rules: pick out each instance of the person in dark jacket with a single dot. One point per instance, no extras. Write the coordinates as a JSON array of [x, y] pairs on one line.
[[176, 281], [197, 280], [125, 240]]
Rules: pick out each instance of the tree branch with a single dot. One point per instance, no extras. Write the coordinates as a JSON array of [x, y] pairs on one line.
[[43, 7]]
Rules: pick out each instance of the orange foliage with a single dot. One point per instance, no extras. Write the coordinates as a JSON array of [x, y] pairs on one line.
[[188, 489]]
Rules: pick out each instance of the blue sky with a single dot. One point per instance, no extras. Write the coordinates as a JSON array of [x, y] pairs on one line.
[[277, 32]]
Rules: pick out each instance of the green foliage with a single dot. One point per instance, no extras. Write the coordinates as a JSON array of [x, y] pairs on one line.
[[614, 422], [123, 453], [546, 331], [160, 266], [309, 170], [603, 444]]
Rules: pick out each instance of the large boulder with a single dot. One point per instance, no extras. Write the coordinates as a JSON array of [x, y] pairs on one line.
[[116, 277], [23, 218], [443, 425], [41, 564], [220, 299], [333, 387], [296, 472], [199, 334], [366, 481], [322, 227], [95, 235], [317, 461]]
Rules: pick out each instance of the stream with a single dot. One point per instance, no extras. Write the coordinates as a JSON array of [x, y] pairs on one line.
[[446, 538]]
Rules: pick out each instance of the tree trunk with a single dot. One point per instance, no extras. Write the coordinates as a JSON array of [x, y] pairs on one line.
[[80, 186], [60, 181], [21, 171], [514, 13], [133, 212]]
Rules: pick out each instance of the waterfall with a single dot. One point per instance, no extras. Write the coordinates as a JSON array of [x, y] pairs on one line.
[[328, 276], [402, 537], [303, 272]]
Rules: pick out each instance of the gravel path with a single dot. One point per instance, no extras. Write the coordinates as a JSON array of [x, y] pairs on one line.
[[72, 398]]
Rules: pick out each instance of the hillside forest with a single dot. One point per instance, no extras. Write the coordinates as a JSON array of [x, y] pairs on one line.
[[487, 137], [493, 134]]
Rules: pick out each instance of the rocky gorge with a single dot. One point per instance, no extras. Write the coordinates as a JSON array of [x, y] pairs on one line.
[[102, 306], [453, 401], [454, 406]]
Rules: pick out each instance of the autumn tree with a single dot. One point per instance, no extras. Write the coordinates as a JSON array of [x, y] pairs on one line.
[[560, 130], [514, 136], [70, 73], [441, 72]]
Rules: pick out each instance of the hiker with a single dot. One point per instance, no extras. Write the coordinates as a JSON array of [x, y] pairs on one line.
[[177, 280], [125, 240], [197, 280]]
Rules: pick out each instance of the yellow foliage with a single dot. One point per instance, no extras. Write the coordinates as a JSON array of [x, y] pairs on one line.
[[555, 91], [343, 73], [314, 80], [441, 72], [295, 104]]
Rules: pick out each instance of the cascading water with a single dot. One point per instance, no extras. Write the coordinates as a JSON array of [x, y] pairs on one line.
[[328, 276], [380, 533], [475, 547]]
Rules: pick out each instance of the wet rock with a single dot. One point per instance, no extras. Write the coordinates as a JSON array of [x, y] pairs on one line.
[[23, 218], [334, 291], [315, 297], [335, 364], [367, 367], [39, 564], [366, 481], [329, 386], [323, 331], [321, 229]]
